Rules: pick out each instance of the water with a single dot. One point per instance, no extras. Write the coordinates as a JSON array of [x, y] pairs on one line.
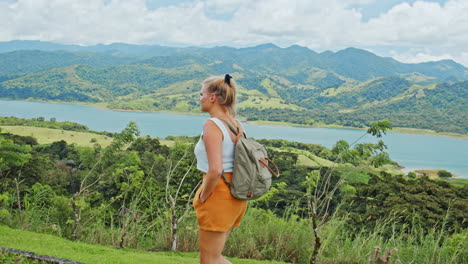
[[409, 150]]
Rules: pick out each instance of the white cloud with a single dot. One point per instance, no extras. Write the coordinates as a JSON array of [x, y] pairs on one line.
[[416, 56], [438, 30]]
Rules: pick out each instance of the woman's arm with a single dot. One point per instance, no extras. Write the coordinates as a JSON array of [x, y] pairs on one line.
[[213, 139]]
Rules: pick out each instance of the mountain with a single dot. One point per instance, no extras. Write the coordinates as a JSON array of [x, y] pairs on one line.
[[28, 61], [351, 87], [363, 65], [16, 45], [352, 63], [114, 49], [447, 70]]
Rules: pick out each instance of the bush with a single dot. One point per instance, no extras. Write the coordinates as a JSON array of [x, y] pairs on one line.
[[444, 174]]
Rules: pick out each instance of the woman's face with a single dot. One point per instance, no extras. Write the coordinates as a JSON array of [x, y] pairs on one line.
[[204, 99]]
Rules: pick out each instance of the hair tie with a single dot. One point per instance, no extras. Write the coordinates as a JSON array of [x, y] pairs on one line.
[[227, 79]]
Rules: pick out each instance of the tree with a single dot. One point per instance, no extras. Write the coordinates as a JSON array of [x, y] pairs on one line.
[[98, 172], [12, 155], [322, 187], [444, 174], [427, 203], [179, 191]]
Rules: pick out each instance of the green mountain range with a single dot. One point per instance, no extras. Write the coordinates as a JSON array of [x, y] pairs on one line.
[[351, 87]]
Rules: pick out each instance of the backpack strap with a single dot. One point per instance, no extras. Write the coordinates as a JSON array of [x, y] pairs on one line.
[[237, 133], [237, 137], [230, 127]]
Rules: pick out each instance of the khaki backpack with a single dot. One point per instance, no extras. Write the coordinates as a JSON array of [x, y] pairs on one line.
[[251, 177]]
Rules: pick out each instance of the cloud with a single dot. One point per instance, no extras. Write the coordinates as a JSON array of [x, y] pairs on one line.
[[430, 30], [437, 31], [417, 55], [423, 23]]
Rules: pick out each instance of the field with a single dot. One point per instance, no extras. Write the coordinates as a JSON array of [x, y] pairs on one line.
[[48, 135]]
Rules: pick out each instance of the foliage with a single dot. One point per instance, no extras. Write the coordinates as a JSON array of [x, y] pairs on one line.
[[129, 193], [27, 61], [444, 174], [410, 202]]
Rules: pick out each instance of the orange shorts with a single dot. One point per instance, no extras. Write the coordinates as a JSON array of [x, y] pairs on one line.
[[221, 211]]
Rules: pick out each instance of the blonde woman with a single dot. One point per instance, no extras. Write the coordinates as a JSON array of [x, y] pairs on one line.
[[217, 210]]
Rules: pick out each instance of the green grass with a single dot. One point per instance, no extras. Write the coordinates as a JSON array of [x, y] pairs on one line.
[[87, 253], [49, 135], [307, 159], [455, 181]]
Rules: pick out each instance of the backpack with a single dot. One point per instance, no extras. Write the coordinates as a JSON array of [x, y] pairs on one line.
[[251, 176]]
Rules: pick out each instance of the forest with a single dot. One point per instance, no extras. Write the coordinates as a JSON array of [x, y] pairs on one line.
[[328, 205]]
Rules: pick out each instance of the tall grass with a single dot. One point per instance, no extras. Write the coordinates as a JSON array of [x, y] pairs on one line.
[[263, 235]]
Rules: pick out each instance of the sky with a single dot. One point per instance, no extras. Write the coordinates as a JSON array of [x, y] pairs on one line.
[[408, 30]]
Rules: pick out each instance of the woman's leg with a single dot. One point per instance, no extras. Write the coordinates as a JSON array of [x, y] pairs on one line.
[[211, 247]]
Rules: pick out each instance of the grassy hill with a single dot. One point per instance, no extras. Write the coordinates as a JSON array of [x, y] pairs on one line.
[[29, 61], [49, 135], [43, 244]]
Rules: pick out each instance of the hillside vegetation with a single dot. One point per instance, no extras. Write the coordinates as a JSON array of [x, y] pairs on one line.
[[129, 194], [351, 87]]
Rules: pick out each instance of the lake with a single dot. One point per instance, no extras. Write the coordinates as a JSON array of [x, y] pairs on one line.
[[410, 150]]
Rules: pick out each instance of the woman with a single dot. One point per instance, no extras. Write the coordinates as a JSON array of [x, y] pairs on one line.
[[217, 210]]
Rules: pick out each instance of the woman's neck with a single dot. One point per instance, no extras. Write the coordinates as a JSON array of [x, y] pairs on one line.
[[218, 113]]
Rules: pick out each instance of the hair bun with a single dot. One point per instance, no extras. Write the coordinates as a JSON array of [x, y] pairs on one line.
[[227, 79]]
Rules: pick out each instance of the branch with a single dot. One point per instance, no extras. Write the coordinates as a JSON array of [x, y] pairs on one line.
[[183, 178]]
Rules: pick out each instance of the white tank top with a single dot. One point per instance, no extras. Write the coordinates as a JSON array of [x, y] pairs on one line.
[[227, 150]]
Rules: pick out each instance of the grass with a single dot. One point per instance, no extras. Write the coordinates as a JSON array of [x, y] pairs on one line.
[[264, 235], [455, 181], [49, 135], [307, 159], [263, 102], [458, 181], [58, 247], [433, 174]]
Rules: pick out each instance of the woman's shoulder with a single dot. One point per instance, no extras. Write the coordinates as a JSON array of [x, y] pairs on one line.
[[211, 124], [211, 121]]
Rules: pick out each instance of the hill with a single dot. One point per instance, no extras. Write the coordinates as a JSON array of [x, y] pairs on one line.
[[351, 87], [28, 61]]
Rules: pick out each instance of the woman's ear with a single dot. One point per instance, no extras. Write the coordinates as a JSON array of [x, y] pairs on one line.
[[212, 98]]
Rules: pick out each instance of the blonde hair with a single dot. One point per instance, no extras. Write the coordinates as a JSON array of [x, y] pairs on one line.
[[225, 90]]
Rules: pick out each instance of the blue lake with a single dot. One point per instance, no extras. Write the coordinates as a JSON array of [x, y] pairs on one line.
[[409, 150]]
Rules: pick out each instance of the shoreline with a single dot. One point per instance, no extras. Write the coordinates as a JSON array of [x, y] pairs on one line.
[[402, 130]]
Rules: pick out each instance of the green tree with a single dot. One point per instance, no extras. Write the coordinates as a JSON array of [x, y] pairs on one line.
[[102, 171], [444, 174], [320, 194]]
